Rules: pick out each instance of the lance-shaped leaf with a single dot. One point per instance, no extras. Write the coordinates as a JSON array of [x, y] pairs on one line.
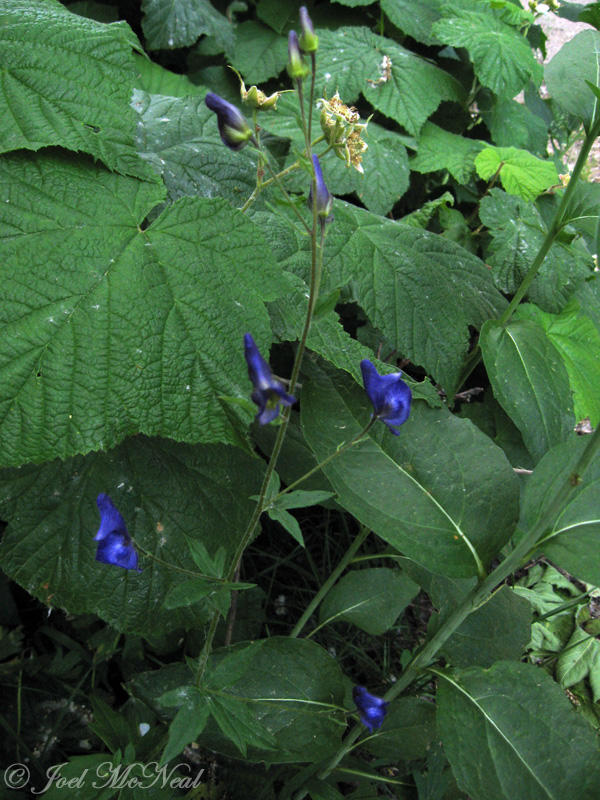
[[109, 327], [398, 486], [168, 494], [66, 81], [510, 731]]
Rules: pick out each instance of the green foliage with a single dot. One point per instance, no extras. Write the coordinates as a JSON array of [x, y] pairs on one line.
[[520, 172]]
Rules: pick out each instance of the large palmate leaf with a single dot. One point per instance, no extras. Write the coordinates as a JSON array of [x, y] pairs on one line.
[[520, 172], [110, 328], [575, 533], [502, 57], [181, 22], [510, 731], [529, 381], [168, 494], [398, 485], [414, 19], [178, 136], [394, 80], [439, 149], [66, 81], [577, 62], [257, 52]]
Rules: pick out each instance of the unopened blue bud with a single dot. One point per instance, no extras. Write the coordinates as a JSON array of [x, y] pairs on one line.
[[309, 41], [268, 392], [297, 69], [114, 543], [371, 709], [324, 197], [233, 128], [390, 395]]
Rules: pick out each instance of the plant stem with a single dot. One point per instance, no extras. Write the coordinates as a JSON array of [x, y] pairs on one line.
[[346, 559], [476, 597]]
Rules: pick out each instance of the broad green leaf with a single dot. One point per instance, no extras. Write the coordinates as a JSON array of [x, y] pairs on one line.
[[502, 57], [588, 297], [397, 485], [518, 231], [576, 62], [529, 381], [259, 53], [180, 23], [521, 173], [512, 124], [575, 533], [372, 599], [439, 149], [179, 137], [509, 731], [238, 724], [394, 80], [152, 78], [277, 14], [288, 691], [408, 732], [421, 217], [188, 723], [144, 326], [580, 657], [414, 19], [162, 489], [578, 343], [66, 81], [232, 667]]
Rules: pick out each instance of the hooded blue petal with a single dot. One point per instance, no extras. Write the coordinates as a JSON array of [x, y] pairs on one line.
[[390, 395], [233, 128], [268, 393], [371, 709], [114, 543], [324, 197]]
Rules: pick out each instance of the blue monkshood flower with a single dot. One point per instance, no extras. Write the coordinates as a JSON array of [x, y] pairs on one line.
[[324, 198], [297, 69], [233, 128], [389, 394], [309, 41], [268, 393], [371, 709], [114, 543]]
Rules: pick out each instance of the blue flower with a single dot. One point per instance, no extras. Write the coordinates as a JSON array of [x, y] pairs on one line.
[[324, 198], [309, 41], [114, 543], [268, 393], [389, 394], [233, 128], [371, 709], [297, 69]]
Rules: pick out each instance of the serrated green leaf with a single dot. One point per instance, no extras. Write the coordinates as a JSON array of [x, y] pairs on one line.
[[180, 23], [578, 343], [414, 19], [289, 523], [155, 79], [580, 657], [179, 137], [161, 488], [396, 485], [512, 124], [439, 149], [189, 721], [259, 53], [67, 81], [521, 173], [509, 731], [575, 533], [576, 62], [529, 381], [372, 599], [502, 57], [143, 326]]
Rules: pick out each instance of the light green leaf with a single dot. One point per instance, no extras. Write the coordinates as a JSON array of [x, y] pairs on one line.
[[575, 533], [502, 57], [179, 137], [180, 23], [161, 489], [66, 81], [351, 60], [259, 53], [396, 484], [414, 19], [580, 657], [143, 325], [289, 523], [566, 74], [529, 381], [509, 731], [439, 149], [372, 599], [521, 173], [578, 343]]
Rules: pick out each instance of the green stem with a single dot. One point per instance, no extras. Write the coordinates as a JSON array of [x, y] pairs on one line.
[[313, 62], [346, 559], [476, 597], [283, 190]]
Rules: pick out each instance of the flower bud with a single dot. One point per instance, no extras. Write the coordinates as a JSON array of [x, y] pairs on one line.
[[255, 97], [309, 41], [233, 128], [297, 69], [324, 198]]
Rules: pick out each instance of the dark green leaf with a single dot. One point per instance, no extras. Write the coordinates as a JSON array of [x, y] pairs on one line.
[[257, 52], [439, 149], [575, 63], [180, 23], [188, 723]]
